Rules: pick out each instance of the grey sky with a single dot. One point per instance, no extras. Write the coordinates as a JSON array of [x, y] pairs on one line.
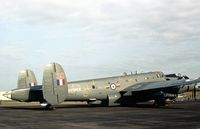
[[97, 38]]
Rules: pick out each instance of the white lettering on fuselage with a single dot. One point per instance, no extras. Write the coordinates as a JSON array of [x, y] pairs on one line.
[[73, 90]]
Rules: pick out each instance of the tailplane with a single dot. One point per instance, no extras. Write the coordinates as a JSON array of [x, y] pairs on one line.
[[26, 79]]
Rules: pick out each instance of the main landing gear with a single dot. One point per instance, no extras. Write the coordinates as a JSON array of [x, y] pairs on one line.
[[47, 106], [160, 102]]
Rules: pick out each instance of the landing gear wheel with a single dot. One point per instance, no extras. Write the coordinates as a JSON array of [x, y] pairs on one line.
[[49, 107], [104, 103], [160, 103]]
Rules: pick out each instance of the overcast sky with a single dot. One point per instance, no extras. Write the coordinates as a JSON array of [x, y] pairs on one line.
[[98, 38]]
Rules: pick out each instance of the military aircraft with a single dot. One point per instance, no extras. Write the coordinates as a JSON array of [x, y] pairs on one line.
[[118, 90]]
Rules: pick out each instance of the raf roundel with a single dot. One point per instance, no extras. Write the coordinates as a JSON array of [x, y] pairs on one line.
[[113, 86]]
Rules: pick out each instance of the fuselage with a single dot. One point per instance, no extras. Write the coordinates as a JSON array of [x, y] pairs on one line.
[[100, 88]]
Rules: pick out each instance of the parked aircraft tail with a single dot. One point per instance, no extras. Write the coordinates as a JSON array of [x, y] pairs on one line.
[[26, 79], [54, 84]]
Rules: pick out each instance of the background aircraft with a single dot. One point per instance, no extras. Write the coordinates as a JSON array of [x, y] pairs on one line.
[[110, 91]]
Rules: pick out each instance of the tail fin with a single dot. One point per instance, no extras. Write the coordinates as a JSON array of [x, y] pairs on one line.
[[26, 79], [54, 84]]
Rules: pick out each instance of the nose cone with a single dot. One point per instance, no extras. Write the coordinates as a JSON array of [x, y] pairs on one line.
[[7, 94]]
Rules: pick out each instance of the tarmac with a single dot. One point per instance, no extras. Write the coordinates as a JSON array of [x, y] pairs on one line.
[[181, 115]]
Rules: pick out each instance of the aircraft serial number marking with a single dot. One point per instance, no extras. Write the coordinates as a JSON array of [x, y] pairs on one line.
[[74, 90]]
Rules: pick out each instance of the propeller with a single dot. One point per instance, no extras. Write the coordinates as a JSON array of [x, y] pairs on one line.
[[195, 93]]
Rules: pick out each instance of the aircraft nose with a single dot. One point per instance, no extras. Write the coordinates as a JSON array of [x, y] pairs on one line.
[[7, 94]]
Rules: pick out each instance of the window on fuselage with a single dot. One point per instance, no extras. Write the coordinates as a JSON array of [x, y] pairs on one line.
[[93, 86]]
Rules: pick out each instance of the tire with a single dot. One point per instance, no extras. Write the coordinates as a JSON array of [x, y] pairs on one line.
[[49, 107]]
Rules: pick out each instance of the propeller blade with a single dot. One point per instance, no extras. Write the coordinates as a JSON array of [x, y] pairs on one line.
[[195, 95]]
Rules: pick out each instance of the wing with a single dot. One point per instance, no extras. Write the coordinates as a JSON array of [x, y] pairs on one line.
[[155, 86], [150, 90]]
